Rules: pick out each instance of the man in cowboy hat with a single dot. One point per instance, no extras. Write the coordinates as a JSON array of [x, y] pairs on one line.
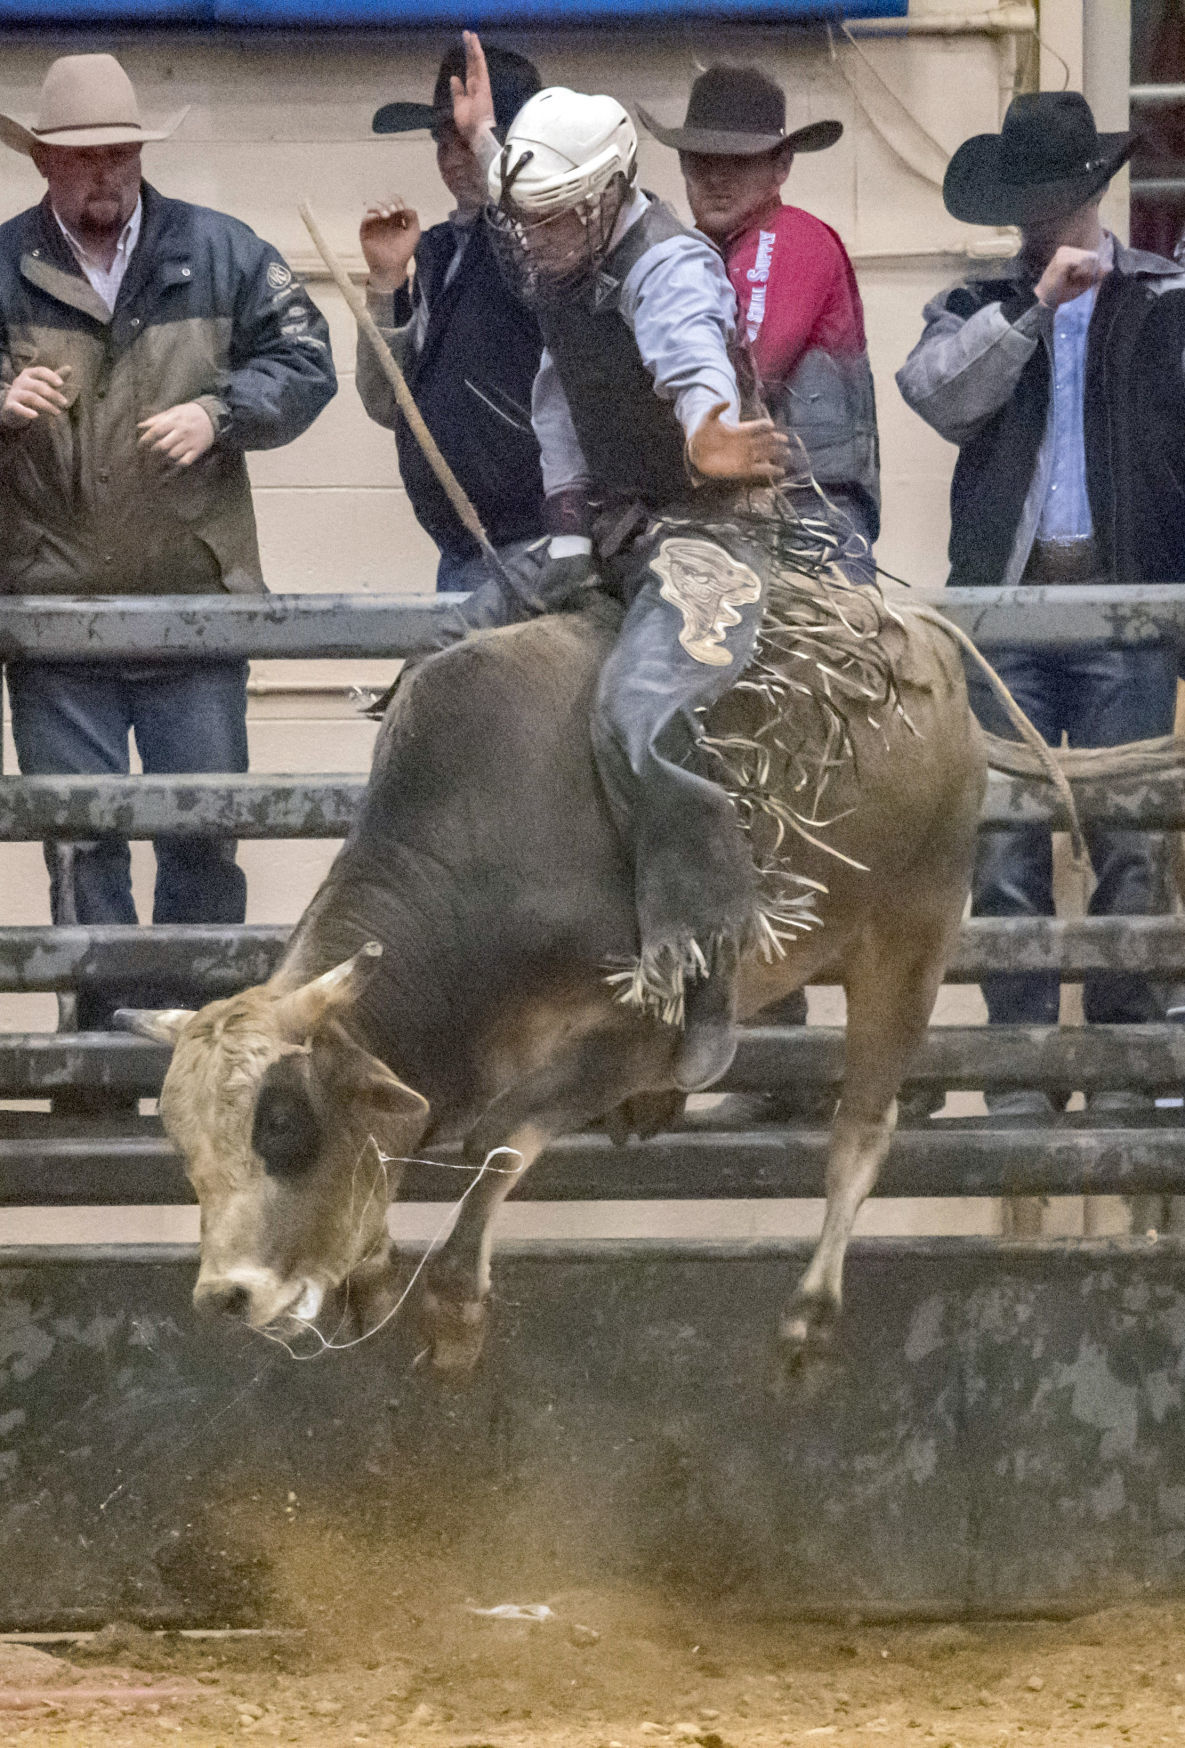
[[145, 345], [1059, 375], [799, 304], [468, 346]]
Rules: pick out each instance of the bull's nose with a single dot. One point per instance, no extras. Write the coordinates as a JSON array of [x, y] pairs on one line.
[[228, 1298]]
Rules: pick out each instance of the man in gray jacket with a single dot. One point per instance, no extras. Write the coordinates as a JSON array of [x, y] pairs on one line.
[[1059, 375]]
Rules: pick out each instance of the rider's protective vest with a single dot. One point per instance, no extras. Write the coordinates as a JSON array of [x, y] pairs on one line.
[[632, 440]]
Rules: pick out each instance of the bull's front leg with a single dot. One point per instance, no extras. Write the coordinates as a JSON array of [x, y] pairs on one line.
[[588, 1077], [454, 1306], [892, 980]]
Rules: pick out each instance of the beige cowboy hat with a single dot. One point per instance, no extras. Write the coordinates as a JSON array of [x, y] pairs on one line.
[[86, 100]]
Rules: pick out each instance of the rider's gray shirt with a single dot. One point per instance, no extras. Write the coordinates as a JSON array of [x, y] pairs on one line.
[[681, 309]]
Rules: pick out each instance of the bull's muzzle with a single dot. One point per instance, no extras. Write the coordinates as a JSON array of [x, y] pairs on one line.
[[226, 1298], [256, 1297]]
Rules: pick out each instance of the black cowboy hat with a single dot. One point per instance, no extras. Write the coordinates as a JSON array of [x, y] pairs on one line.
[[513, 78], [1048, 159], [736, 112]]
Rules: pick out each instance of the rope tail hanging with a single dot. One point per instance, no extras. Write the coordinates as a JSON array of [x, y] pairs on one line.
[[1047, 758]]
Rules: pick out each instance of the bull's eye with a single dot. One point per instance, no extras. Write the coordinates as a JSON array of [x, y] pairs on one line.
[[286, 1132]]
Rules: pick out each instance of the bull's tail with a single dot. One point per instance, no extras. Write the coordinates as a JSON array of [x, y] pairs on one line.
[[1031, 756], [1162, 757]]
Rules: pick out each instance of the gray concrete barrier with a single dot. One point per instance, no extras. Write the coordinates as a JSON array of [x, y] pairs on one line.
[[1000, 1430]]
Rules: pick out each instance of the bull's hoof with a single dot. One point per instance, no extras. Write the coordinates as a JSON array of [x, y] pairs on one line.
[[456, 1331], [806, 1333]]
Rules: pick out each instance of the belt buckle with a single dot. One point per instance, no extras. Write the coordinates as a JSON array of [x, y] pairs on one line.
[[1066, 561]]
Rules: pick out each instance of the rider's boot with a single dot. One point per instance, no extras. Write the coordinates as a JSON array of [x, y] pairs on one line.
[[709, 1022]]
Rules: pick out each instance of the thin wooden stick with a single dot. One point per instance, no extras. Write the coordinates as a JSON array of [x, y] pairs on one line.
[[454, 490]]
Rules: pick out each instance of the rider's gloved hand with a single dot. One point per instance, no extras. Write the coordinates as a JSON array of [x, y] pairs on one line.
[[558, 577]]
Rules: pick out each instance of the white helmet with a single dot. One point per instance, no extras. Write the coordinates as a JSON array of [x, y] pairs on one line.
[[563, 149]]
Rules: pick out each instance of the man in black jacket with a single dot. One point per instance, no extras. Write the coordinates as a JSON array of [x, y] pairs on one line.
[[1060, 377], [467, 345]]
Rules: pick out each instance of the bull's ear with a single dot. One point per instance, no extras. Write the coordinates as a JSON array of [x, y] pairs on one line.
[[388, 1093], [300, 1011], [162, 1025], [359, 1074]]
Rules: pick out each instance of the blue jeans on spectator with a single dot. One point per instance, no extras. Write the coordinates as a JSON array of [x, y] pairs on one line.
[[1098, 698], [461, 575], [853, 515], [74, 719]]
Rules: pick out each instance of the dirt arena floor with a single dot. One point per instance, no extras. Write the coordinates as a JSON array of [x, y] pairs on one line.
[[408, 1662]]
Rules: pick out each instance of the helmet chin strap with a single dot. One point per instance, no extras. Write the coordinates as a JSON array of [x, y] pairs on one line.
[[510, 176]]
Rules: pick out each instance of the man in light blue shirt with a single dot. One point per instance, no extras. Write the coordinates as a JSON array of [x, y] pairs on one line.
[[1060, 480], [1061, 377]]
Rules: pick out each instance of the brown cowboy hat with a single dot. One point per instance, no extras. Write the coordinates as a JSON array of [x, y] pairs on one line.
[[86, 100], [736, 112]]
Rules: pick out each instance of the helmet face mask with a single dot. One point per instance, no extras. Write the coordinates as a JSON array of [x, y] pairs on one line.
[[558, 189], [548, 256]]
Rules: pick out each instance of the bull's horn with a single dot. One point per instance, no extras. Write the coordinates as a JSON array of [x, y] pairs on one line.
[[299, 1012], [162, 1025]]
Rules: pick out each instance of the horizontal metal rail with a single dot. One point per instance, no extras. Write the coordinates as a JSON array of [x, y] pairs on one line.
[[33, 1064], [1150, 1057], [173, 627], [217, 959], [1157, 93], [277, 806], [957, 1158], [255, 806], [1149, 187]]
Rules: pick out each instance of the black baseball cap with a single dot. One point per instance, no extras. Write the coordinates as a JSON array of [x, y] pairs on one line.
[[513, 78]]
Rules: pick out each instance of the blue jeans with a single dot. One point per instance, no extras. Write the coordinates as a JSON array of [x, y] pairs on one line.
[[693, 872], [73, 719], [852, 515], [1098, 698], [461, 576]]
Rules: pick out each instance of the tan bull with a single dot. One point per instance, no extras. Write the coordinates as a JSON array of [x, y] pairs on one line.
[[486, 868]]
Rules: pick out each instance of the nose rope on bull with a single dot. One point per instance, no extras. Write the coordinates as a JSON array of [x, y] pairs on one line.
[[485, 1170]]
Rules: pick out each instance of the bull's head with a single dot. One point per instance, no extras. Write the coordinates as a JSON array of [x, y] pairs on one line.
[[285, 1124]]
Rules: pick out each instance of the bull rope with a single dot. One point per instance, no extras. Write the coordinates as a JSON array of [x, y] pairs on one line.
[[1049, 765]]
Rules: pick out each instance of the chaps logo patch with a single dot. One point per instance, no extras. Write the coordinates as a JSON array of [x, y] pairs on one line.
[[707, 586]]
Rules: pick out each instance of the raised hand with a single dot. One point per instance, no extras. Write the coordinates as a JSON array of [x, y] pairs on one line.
[[389, 234], [37, 390], [179, 435], [473, 100], [754, 452], [1068, 275]]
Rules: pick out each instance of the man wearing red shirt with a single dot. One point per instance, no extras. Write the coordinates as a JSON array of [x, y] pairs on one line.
[[800, 309]]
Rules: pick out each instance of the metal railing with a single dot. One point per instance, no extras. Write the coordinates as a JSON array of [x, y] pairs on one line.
[[45, 1160]]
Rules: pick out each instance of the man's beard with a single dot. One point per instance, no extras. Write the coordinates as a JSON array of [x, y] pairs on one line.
[[92, 228]]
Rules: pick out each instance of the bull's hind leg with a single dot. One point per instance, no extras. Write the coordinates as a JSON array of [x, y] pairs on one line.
[[586, 1078], [892, 975]]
